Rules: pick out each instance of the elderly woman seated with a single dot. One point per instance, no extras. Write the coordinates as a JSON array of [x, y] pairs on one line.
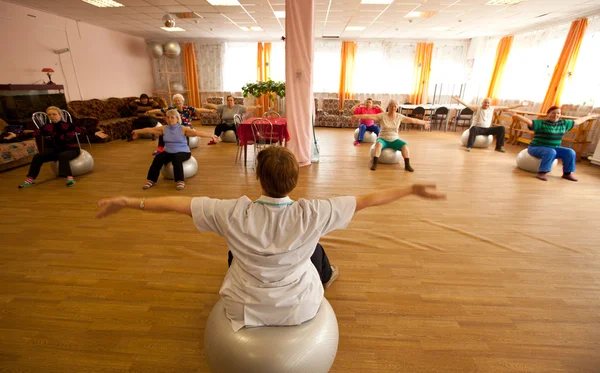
[[228, 112]]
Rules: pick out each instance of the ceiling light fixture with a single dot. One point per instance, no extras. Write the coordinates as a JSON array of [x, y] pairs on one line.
[[355, 28], [244, 28], [224, 2], [279, 14], [255, 28], [503, 2], [419, 14], [377, 2], [173, 29], [103, 3]]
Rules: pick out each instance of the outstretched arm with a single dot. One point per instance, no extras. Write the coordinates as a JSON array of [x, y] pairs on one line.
[[365, 116], [111, 206], [190, 132], [472, 107], [154, 112], [526, 120], [149, 131], [212, 106], [203, 110], [425, 123], [390, 195], [252, 108], [523, 103], [578, 121]]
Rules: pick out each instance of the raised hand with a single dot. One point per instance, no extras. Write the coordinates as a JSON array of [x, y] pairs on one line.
[[427, 191], [427, 124], [134, 135], [110, 206]]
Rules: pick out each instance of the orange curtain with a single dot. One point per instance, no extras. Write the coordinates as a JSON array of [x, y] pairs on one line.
[[191, 75], [422, 69], [347, 71], [502, 52], [566, 63], [263, 73]]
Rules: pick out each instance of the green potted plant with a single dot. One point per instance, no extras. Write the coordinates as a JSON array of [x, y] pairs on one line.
[[270, 87]]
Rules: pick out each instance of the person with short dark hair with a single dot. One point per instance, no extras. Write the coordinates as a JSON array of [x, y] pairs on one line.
[[278, 271], [547, 138], [140, 107]]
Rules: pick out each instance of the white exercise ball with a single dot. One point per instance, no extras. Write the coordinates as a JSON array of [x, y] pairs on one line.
[[177, 87], [81, 165], [155, 50], [369, 136], [528, 162], [228, 136], [194, 142], [309, 347], [172, 49], [388, 155], [190, 167], [481, 141]]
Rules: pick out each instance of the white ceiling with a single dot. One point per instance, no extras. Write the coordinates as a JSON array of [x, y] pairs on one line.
[[463, 18]]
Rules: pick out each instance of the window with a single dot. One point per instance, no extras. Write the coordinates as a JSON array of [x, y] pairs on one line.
[[531, 63], [480, 74], [582, 87], [278, 61], [327, 66], [239, 65], [448, 70]]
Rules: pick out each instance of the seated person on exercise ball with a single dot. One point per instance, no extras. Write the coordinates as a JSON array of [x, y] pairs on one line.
[[277, 275], [388, 138], [547, 138], [60, 144], [176, 149], [140, 107], [228, 112], [482, 122], [366, 124], [186, 113]]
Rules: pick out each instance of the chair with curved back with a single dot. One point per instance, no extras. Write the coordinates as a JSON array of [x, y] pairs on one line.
[[417, 113], [262, 134], [237, 120], [66, 117], [271, 114], [439, 116], [463, 118], [40, 119]]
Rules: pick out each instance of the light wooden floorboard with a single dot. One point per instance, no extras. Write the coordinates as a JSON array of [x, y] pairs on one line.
[[504, 276]]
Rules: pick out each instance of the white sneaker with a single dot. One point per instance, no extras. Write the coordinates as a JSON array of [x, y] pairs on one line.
[[335, 272]]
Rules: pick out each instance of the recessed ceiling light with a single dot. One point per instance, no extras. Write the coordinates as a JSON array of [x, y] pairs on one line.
[[419, 14], [103, 3], [173, 29], [279, 14], [440, 28], [503, 2], [255, 28], [355, 28], [244, 28], [382, 2], [223, 2]]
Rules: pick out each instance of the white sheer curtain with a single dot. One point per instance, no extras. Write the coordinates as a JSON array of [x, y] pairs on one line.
[[480, 74], [583, 85], [239, 65], [448, 70], [383, 67], [531, 63], [327, 66], [209, 59], [278, 61]]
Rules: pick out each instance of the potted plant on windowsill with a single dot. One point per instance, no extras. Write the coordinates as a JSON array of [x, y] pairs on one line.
[[271, 88]]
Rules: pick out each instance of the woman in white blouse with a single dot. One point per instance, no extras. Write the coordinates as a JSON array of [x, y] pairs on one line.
[[388, 137]]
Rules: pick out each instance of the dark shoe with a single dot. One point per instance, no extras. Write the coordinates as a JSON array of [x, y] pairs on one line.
[[569, 177], [156, 152], [374, 164], [335, 272], [501, 150], [408, 168], [468, 149], [542, 176]]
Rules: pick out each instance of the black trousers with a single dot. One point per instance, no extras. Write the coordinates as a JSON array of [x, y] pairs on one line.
[[319, 259], [224, 127], [50, 155], [144, 122], [162, 159], [497, 131]]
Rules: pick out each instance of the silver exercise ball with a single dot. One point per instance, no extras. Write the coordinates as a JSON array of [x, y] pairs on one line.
[[81, 165], [190, 167], [177, 87], [194, 142], [368, 138], [481, 141], [172, 49], [156, 50], [528, 162], [388, 155], [228, 136], [309, 347]]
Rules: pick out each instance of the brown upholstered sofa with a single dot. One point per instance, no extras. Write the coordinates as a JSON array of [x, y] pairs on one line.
[[113, 116]]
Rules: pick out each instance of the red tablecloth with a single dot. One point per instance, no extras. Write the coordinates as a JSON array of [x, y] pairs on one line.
[[279, 130]]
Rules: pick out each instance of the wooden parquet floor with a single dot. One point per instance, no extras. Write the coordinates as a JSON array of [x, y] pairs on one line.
[[504, 276]]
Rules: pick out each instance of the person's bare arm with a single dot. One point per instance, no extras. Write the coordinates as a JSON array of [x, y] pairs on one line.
[[354, 107], [581, 120], [190, 132], [472, 107], [212, 106], [203, 110], [111, 206], [148, 131], [365, 116], [522, 118], [386, 196], [425, 123]]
